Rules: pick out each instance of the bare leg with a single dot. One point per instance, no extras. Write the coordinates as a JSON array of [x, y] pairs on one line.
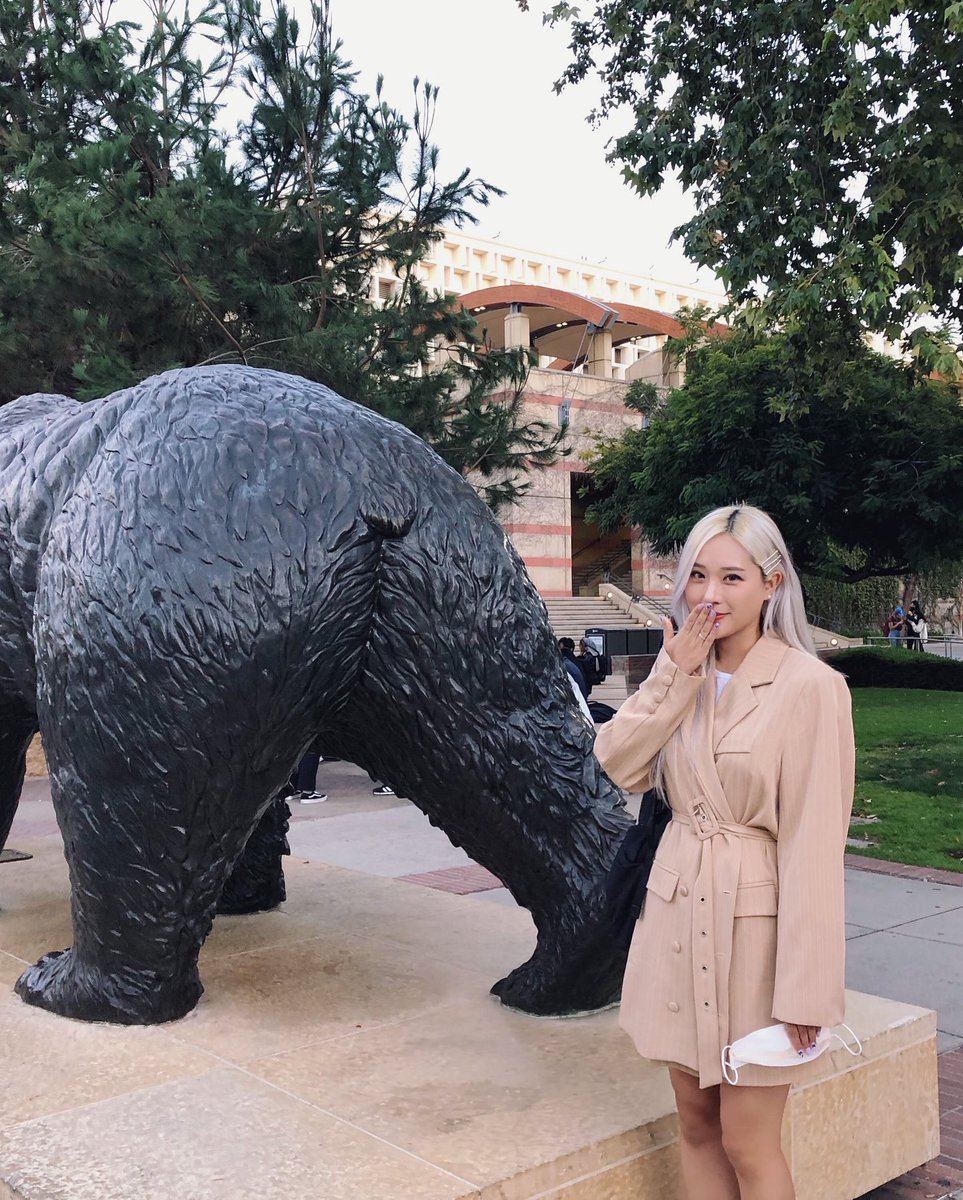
[[752, 1137], [707, 1173]]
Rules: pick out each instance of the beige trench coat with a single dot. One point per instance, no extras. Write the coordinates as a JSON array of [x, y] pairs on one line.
[[743, 924]]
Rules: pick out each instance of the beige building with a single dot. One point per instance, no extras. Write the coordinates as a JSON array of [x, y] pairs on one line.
[[594, 330]]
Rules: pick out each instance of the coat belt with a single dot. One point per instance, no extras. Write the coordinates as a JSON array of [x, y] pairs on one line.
[[704, 824]]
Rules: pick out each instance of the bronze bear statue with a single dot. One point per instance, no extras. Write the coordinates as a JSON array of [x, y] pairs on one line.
[[203, 573]]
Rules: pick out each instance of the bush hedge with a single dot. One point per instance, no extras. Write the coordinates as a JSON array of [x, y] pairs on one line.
[[898, 669]]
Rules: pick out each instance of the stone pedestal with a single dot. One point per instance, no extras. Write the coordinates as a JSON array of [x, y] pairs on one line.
[[347, 1048]]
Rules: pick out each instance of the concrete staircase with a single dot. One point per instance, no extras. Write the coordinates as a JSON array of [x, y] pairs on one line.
[[571, 616]]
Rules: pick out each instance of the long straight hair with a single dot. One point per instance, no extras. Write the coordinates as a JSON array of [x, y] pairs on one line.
[[783, 616]]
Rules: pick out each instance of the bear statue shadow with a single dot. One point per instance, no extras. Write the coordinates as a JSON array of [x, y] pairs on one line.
[[204, 573]]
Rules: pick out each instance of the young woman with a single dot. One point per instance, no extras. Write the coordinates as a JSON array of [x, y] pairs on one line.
[[916, 631], [750, 737]]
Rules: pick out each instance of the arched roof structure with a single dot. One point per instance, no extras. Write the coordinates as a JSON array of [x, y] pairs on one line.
[[561, 323]]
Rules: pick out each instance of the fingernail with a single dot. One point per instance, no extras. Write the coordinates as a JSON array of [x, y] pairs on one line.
[[799, 1052], [717, 624]]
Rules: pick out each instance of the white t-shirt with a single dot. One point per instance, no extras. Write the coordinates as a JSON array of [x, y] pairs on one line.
[[721, 680]]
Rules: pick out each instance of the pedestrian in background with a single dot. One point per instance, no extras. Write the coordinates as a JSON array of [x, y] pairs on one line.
[[590, 665], [304, 780], [917, 633], [894, 627], [567, 647]]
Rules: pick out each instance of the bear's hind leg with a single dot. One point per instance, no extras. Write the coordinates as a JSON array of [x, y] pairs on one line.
[[525, 797], [150, 834], [16, 731]]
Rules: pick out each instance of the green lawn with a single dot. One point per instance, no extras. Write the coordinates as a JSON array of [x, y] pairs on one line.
[[909, 774]]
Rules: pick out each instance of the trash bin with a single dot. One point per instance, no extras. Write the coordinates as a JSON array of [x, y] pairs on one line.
[[648, 641], [604, 644], [635, 640]]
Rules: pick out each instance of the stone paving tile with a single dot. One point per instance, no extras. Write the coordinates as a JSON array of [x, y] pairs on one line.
[[460, 881], [942, 1178]]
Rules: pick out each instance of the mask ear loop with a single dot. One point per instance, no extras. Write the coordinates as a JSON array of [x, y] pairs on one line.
[[857, 1053], [729, 1071]]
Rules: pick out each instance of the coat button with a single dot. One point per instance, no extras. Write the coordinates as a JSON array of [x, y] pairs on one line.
[[676, 947], [666, 679], [673, 1007], [683, 890]]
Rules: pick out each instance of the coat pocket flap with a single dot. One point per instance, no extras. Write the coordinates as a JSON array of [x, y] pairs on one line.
[[756, 900], [662, 882]]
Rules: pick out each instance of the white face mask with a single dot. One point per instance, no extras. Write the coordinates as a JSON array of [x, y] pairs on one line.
[[771, 1047]]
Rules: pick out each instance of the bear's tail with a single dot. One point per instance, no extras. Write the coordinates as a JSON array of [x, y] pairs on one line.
[[389, 511]]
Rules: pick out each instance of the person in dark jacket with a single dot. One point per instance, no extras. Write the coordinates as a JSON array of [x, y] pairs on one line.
[[567, 647], [915, 626], [590, 664]]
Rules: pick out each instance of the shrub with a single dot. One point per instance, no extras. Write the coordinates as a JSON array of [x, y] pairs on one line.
[[898, 669]]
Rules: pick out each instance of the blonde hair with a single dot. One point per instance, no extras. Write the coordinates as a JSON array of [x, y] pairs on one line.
[[758, 534], [783, 616]]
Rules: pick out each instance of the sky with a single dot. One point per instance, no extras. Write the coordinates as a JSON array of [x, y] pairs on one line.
[[499, 116]]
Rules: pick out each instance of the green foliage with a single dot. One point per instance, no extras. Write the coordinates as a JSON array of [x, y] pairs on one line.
[[866, 481], [822, 145], [909, 763], [137, 235], [859, 609], [834, 604], [903, 668]]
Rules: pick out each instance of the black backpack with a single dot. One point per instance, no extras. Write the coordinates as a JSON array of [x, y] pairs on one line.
[[600, 711]]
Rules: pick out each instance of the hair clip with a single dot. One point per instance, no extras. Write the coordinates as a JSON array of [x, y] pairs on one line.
[[770, 563]]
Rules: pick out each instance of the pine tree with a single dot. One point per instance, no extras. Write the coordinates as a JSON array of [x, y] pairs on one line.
[[137, 233]]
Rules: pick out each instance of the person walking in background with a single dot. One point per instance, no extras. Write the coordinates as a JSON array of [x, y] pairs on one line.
[[894, 627], [917, 633], [567, 647], [304, 780], [750, 738], [590, 665]]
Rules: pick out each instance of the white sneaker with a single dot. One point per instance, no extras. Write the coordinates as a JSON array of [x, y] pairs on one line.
[[312, 797]]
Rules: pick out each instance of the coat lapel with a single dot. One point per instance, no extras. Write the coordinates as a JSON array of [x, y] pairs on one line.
[[699, 740], [740, 698]]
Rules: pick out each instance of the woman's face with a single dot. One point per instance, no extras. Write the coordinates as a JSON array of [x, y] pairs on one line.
[[725, 576]]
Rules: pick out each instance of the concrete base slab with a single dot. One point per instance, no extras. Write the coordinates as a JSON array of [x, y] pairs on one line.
[[347, 1048]]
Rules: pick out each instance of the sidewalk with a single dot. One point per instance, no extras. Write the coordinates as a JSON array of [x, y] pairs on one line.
[[905, 935]]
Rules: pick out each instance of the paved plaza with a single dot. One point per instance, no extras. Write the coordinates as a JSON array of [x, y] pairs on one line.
[[905, 934]]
